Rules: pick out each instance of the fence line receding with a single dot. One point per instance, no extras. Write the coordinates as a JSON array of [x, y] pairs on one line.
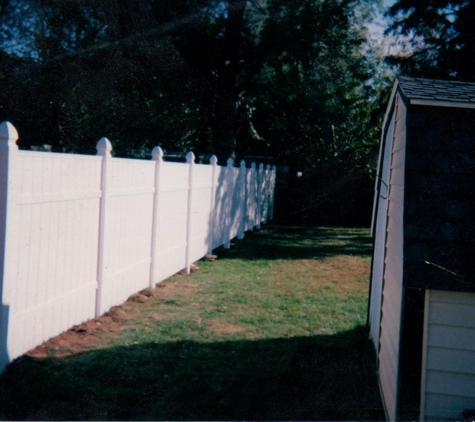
[[79, 234]]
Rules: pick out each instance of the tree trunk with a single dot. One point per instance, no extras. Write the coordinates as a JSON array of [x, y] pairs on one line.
[[225, 131]]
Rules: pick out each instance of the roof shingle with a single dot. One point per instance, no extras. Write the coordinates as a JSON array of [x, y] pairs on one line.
[[437, 90]]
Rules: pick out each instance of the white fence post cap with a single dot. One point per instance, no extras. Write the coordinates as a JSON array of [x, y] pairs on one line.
[[213, 160], [190, 157], [157, 154], [243, 164], [104, 147], [230, 162], [9, 134]]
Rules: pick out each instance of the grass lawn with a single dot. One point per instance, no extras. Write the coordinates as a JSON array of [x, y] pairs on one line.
[[272, 330]]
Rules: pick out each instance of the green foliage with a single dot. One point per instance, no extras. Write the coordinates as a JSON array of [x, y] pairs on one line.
[[441, 35], [291, 80], [193, 74]]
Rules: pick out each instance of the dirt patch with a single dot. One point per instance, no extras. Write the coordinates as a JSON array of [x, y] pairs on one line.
[[345, 272], [77, 339], [100, 332]]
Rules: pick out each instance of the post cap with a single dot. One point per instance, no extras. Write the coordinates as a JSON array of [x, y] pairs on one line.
[[9, 134], [104, 147], [157, 154]]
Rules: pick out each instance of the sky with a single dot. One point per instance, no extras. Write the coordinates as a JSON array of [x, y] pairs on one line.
[[376, 30]]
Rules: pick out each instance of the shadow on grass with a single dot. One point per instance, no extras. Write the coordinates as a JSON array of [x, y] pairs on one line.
[[300, 242], [313, 378]]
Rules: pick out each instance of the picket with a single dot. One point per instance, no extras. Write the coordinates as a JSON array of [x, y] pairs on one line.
[[79, 234]]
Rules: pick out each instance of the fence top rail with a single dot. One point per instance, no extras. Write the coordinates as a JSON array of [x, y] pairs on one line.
[[9, 137], [58, 155]]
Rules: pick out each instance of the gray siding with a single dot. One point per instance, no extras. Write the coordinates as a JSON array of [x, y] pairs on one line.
[[380, 238], [448, 375], [392, 287]]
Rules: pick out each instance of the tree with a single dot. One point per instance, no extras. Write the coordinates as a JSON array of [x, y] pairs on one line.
[[283, 78], [259, 57], [75, 82], [230, 69], [441, 36]]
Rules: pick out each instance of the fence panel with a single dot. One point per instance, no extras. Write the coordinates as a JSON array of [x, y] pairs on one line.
[[200, 211], [52, 256], [235, 214], [127, 231], [251, 204], [265, 194], [170, 252], [222, 207]]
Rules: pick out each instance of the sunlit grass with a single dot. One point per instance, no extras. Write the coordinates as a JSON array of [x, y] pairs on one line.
[[274, 329]]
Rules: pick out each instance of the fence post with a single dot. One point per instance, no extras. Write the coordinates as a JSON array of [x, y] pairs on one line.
[[272, 192], [247, 205], [214, 162], [190, 160], [229, 198], [259, 195], [242, 196], [104, 148], [266, 192], [157, 156], [8, 150], [252, 194]]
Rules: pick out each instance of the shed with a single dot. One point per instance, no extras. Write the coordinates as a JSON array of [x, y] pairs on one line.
[[421, 313]]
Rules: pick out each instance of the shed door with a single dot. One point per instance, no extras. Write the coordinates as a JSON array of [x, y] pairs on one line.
[[380, 237]]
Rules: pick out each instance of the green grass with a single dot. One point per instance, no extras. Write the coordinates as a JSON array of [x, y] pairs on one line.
[[272, 330]]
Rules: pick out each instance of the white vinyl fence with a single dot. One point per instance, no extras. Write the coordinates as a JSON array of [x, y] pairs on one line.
[[79, 234]]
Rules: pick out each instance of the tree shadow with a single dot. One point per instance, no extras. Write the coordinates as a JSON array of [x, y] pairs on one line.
[[313, 378], [300, 242]]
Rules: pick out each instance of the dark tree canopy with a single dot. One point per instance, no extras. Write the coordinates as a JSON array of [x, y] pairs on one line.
[[236, 74], [287, 79], [441, 34]]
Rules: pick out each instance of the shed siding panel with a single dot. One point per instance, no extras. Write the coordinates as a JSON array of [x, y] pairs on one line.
[[450, 362], [392, 289], [453, 360], [380, 241], [451, 297], [449, 383], [441, 406], [457, 337], [400, 138], [398, 158], [456, 315]]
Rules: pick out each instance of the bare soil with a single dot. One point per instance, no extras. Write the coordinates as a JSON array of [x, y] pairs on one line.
[[99, 332]]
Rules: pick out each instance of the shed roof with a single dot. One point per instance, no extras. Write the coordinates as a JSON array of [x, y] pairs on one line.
[[437, 92]]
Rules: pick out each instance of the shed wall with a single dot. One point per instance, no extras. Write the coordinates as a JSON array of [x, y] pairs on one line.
[[449, 355], [392, 287], [439, 214], [380, 238]]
